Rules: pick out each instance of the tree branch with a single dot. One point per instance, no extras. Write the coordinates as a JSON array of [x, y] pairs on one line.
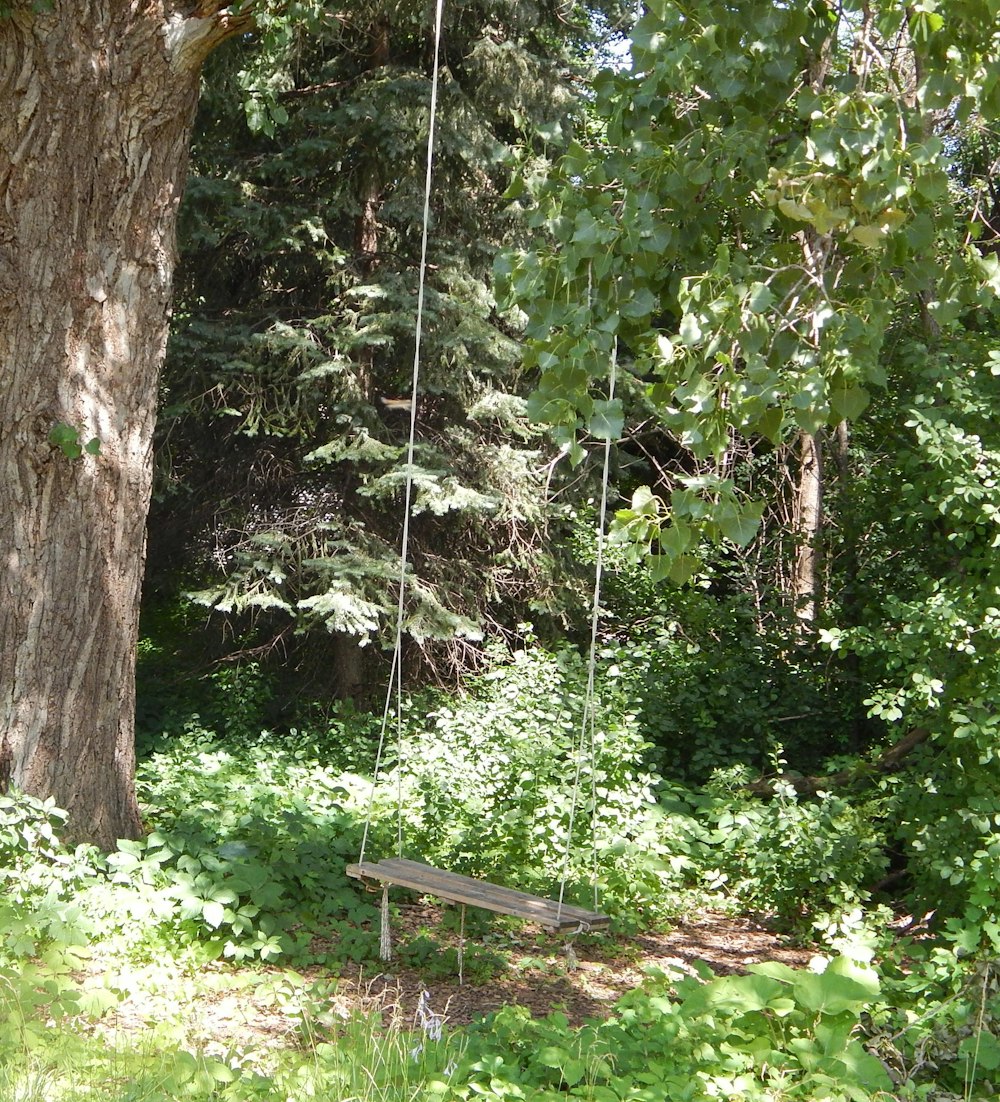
[[809, 786], [191, 38]]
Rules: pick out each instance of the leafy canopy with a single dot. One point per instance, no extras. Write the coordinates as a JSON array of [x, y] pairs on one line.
[[769, 198]]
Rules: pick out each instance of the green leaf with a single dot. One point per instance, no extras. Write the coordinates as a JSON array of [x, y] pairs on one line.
[[573, 1071], [66, 439], [982, 1048], [870, 236], [665, 347], [214, 913], [645, 502], [659, 567], [676, 539], [739, 523], [641, 304], [683, 569], [799, 212], [849, 403], [690, 330], [770, 423], [552, 1056], [608, 420], [760, 298], [829, 993]]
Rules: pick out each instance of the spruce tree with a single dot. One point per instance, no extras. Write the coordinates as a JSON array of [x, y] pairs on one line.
[[283, 442]]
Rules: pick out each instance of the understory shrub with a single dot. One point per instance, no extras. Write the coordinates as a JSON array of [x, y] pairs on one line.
[[938, 1023], [487, 787], [248, 850], [806, 861], [40, 880], [948, 823], [717, 681], [776, 1033]]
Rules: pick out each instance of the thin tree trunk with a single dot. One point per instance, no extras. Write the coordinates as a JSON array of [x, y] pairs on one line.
[[808, 523], [96, 103], [366, 228], [847, 570]]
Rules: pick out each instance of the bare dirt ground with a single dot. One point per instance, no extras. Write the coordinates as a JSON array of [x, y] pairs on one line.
[[224, 1009]]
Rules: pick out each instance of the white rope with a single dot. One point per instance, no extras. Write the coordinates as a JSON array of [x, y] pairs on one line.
[[461, 949], [385, 928], [587, 723], [395, 686]]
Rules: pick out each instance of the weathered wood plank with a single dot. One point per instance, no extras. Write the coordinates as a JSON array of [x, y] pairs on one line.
[[496, 891], [476, 893]]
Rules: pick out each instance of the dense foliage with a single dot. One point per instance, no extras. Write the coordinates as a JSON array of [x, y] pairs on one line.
[[286, 406], [778, 228], [245, 859]]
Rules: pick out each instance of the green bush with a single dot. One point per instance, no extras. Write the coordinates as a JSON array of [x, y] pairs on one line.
[[804, 861], [487, 784], [28, 828], [718, 676], [776, 1033], [40, 880], [948, 822], [248, 852]]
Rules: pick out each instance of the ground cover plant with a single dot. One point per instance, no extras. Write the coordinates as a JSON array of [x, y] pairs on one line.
[[241, 876]]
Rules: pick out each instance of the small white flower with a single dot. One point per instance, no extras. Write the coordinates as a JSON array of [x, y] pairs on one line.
[[432, 1024]]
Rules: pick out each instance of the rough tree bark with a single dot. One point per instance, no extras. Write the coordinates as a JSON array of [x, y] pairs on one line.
[[96, 103]]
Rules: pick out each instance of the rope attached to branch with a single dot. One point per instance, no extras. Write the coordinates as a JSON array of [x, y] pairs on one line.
[[394, 693], [587, 740]]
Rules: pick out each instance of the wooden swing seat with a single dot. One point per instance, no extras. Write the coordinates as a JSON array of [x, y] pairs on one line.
[[477, 893]]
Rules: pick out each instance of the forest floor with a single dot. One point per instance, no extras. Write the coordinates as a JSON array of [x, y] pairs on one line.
[[542, 978], [224, 1008]]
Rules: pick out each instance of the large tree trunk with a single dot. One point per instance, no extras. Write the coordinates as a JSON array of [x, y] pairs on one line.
[[96, 103]]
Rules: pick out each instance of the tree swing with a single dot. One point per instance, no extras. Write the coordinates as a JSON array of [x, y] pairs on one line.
[[464, 891]]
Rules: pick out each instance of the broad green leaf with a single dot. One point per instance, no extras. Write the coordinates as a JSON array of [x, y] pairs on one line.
[[683, 569], [739, 523], [608, 420], [644, 501], [747, 994], [983, 1048], [797, 211], [770, 423], [870, 236], [690, 329], [676, 538], [861, 973], [214, 913], [849, 403], [660, 567], [572, 1071], [552, 1056], [760, 298], [830, 993], [776, 970], [641, 304]]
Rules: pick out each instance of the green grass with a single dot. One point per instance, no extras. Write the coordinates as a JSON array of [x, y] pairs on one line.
[[362, 1057]]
